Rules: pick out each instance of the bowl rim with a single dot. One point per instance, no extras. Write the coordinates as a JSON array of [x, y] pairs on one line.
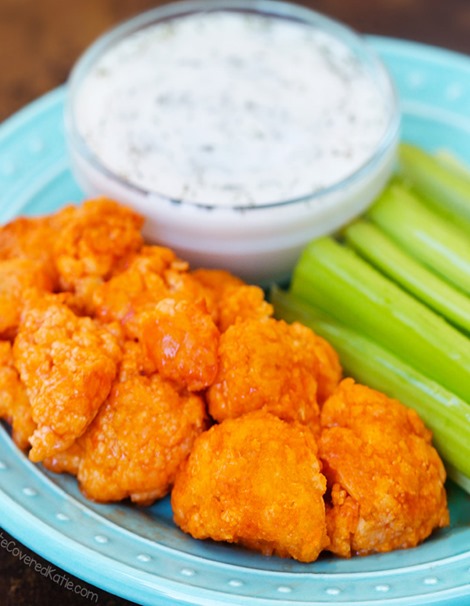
[[280, 9]]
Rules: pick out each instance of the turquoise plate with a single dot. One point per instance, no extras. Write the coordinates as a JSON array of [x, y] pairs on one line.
[[138, 553]]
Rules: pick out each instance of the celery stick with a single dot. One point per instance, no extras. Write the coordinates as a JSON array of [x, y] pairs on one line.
[[458, 477], [336, 280], [447, 159], [442, 186], [446, 415], [373, 244], [424, 234]]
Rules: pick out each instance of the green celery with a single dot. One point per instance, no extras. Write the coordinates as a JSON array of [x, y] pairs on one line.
[[377, 248], [447, 159], [458, 477], [426, 235], [438, 181], [446, 415], [337, 281]]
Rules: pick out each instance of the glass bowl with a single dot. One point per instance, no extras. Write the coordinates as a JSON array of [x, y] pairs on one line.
[[259, 240]]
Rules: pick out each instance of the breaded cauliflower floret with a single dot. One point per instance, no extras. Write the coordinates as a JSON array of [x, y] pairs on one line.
[[139, 438], [183, 285], [132, 365], [180, 338], [67, 364], [385, 479], [231, 298], [254, 480], [239, 303], [329, 370], [216, 280], [17, 277], [153, 274], [267, 364], [95, 237], [14, 403], [139, 285], [31, 238], [66, 461]]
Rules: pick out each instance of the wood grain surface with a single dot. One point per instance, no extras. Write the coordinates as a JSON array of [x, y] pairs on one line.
[[41, 39]]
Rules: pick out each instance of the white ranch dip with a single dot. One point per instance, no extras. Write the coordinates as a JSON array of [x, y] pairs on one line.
[[230, 109]]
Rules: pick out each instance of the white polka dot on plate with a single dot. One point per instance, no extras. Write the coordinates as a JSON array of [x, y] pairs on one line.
[[29, 492], [454, 91], [416, 79], [99, 538], [188, 572]]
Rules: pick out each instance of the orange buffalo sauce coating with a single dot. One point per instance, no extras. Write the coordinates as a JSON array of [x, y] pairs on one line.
[[386, 480], [255, 480], [270, 365], [141, 376]]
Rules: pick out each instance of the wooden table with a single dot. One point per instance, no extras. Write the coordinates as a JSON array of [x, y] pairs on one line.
[[41, 39]]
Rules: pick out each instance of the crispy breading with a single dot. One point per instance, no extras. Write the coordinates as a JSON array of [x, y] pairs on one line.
[[15, 407], [113, 379], [183, 285], [230, 299], [139, 438], [17, 277], [95, 237], [66, 461], [254, 480], [140, 284], [215, 283], [385, 479], [67, 364], [182, 341], [329, 370], [239, 303], [216, 280], [267, 364], [31, 238], [131, 365], [153, 274]]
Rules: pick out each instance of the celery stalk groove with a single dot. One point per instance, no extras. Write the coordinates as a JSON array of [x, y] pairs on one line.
[[377, 248], [436, 242], [445, 187], [337, 281]]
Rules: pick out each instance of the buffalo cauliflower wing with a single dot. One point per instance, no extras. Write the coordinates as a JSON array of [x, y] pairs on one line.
[[31, 238], [256, 481], [14, 403], [245, 302], [138, 439], [116, 357], [17, 277], [94, 238], [153, 274], [141, 435], [269, 364], [230, 299], [385, 479], [180, 338], [139, 285], [67, 364]]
